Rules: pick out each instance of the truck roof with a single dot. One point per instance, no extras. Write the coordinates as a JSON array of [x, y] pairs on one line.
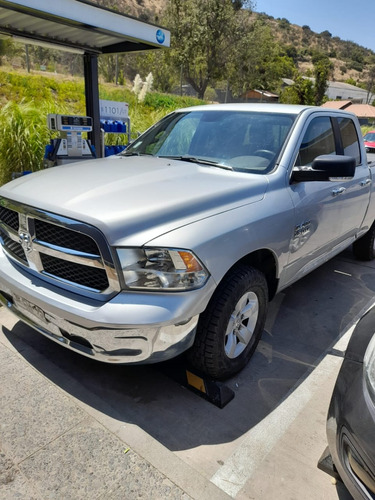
[[291, 109]]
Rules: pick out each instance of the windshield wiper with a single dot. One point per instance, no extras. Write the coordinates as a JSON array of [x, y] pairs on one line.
[[135, 153], [203, 161]]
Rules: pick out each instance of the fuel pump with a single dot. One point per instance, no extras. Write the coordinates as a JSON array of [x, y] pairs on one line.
[[70, 146]]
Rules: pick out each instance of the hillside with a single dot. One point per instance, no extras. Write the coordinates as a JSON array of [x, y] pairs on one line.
[[349, 60], [146, 10]]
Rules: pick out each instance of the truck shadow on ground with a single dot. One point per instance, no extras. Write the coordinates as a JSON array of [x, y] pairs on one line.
[[304, 322]]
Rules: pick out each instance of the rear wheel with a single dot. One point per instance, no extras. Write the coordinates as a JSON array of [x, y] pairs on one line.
[[364, 247], [230, 328]]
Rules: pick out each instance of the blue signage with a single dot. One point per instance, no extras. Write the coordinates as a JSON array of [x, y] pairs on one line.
[[160, 36]]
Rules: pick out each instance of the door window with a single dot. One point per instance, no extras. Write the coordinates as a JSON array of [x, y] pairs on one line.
[[318, 140], [350, 139]]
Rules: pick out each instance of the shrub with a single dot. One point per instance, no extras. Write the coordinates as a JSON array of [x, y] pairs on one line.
[[23, 136], [169, 102], [357, 66]]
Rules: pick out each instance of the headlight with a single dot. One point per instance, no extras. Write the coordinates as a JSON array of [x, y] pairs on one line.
[[161, 269], [369, 368]]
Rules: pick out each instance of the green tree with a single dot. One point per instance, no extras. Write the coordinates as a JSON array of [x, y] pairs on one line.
[[292, 52], [203, 38], [107, 67], [284, 23], [325, 34], [301, 92], [351, 81], [322, 70], [259, 61]]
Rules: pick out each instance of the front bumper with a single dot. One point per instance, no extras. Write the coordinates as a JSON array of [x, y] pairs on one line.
[[128, 328], [350, 431]]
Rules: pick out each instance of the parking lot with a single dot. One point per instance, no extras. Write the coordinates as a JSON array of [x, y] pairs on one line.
[[73, 428]]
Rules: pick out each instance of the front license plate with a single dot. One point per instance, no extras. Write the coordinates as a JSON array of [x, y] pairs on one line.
[[25, 305]]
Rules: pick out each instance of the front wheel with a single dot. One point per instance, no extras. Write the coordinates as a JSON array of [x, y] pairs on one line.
[[364, 247], [229, 329]]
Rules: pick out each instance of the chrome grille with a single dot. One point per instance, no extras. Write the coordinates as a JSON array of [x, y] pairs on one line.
[[13, 247], [9, 217], [64, 251], [67, 238], [75, 273]]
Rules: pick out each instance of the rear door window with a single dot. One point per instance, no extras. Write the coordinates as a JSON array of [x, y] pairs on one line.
[[349, 138]]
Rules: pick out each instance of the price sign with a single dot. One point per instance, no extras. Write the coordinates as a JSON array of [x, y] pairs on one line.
[[113, 110]]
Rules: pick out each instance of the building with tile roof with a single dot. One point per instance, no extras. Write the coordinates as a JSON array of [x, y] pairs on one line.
[[364, 112]]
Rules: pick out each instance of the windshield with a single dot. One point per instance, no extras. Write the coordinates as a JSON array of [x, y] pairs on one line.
[[245, 141], [369, 137]]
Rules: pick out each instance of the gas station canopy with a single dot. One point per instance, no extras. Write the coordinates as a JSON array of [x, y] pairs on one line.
[[78, 25], [82, 27]]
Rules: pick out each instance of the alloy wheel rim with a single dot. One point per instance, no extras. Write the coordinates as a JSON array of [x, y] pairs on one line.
[[241, 325]]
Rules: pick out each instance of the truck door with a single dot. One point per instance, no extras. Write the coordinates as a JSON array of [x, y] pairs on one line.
[[323, 221], [353, 194]]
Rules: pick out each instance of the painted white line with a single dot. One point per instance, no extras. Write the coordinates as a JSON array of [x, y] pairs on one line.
[[260, 440], [342, 272]]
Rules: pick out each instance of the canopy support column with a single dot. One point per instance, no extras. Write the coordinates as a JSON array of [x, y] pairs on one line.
[[90, 64]]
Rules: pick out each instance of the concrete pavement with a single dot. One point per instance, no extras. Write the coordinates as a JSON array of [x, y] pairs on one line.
[[73, 428]]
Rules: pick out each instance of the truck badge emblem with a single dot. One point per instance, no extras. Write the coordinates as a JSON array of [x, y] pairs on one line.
[[25, 241], [302, 229]]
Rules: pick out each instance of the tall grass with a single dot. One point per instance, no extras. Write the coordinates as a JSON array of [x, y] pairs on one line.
[[23, 136]]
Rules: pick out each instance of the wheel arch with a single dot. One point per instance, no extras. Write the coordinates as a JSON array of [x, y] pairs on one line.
[[265, 261]]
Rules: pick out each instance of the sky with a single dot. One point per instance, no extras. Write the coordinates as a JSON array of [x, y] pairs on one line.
[[346, 19]]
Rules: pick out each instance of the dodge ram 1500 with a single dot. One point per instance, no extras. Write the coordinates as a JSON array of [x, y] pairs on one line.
[[179, 243]]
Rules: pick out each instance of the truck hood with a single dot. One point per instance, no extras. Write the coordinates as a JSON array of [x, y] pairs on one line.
[[135, 199]]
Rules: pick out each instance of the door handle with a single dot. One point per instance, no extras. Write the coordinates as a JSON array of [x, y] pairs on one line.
[[336, 192], [366, 182]]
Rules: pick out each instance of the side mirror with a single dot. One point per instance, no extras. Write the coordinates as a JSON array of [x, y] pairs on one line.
[[326, 167]]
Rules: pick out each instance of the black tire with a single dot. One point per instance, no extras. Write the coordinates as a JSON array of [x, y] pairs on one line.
[[364, 247], [220, 349]]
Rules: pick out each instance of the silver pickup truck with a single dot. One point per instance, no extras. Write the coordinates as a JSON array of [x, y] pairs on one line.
[[179, 243]]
